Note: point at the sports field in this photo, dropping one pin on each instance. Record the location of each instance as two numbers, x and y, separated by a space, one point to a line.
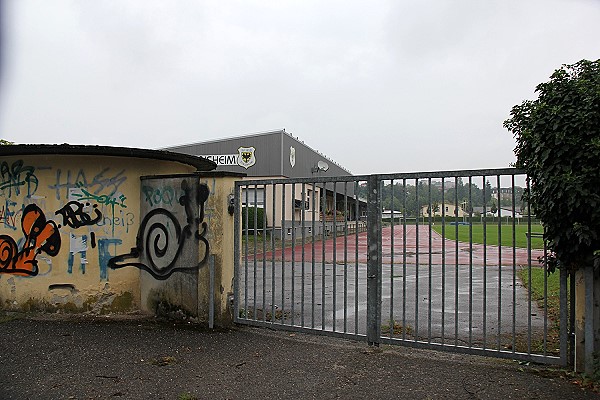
476 232
413 245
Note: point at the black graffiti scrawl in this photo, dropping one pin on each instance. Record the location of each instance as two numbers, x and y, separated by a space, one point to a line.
161 238
40 236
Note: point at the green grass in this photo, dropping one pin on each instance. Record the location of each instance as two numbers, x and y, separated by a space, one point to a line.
552 303
7 316
397 328
491 233
266 240
537 289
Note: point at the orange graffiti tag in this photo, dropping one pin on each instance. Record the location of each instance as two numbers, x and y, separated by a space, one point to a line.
40 236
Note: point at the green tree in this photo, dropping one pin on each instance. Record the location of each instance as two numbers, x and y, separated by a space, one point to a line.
4 142
488 192
558 144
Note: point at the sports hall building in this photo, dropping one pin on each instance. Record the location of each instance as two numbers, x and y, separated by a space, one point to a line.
275 155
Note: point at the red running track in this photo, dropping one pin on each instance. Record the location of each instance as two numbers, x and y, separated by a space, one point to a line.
345 250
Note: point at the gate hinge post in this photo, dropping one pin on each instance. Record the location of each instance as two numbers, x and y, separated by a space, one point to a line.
373 260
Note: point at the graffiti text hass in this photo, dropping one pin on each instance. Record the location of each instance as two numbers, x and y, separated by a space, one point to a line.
105 179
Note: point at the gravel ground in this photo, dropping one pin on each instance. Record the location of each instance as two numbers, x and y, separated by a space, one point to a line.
50 357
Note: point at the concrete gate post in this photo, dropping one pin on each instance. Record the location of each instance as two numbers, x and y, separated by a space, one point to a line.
215 283
587 319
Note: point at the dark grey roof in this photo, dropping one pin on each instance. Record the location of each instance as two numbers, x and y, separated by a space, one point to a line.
272 156
220 140
200 163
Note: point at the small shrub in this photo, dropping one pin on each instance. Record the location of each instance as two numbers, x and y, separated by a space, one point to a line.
249 214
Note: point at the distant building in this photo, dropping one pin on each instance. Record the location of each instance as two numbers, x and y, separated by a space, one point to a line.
447 209
507 212
275 155
503 212
389 214
506 194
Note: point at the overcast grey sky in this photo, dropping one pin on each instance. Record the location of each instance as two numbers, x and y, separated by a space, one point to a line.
378 86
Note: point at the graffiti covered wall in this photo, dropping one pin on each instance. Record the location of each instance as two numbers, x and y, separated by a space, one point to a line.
67 224
171 238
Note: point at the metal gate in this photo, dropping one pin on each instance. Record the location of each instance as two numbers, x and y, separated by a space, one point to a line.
443 260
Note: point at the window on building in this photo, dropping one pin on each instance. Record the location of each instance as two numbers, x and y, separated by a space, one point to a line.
248 196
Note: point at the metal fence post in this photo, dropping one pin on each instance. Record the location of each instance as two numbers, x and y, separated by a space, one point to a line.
589 320
373 260
237 252
211 291
564 332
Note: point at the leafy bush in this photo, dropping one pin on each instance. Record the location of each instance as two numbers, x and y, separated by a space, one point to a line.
250 213
558 145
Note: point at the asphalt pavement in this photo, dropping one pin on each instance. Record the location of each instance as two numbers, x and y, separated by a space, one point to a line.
137 357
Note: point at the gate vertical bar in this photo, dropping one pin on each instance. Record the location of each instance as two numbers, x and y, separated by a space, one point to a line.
245 211
456 252
346 212
471 263
589 320
356 242
373 260
237 229
431 211
303 219
283 239
528 271
545 342
312 264
211 291
264 254
571 280
293 272
443 261
404 259
499 211
254 237
334 258
416 335
514 270
324 239
564 335
392 323
273 224
356 281
485 263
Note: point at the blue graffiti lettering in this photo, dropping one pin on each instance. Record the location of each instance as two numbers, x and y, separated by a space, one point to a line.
104 255
82 250
123 219
109 200
10 217
156 196
98 184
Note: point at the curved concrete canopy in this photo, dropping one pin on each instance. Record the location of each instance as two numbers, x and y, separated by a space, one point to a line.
200 163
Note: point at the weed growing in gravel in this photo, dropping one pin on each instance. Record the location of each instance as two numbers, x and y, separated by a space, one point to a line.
163 360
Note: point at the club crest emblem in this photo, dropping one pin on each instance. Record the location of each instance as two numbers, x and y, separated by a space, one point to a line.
292 156
246 157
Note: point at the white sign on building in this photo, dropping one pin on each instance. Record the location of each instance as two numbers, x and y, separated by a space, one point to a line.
245 157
